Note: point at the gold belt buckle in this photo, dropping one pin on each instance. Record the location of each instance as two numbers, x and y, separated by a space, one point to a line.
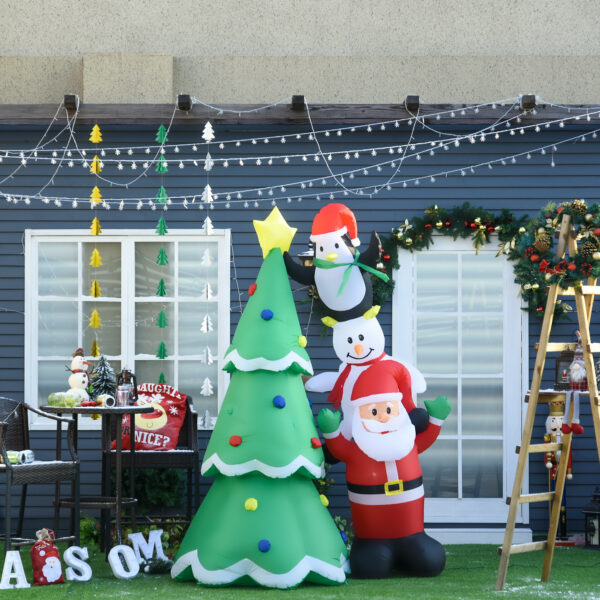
393 487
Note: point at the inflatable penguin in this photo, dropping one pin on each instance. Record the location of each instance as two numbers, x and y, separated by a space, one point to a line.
341 274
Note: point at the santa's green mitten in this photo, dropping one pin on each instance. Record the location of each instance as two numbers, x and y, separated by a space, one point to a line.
328 420
439 408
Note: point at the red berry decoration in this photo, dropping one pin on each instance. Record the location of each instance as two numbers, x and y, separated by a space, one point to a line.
235 440
386 257
473 225
251 289
315 442
427 225
572 266
447 223
597 231
535 257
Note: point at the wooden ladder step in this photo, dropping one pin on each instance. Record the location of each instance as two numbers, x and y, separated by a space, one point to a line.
547 447
527 547
559 347
539 497
587 290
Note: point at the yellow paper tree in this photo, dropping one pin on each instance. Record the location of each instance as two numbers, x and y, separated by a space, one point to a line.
95 168
95 227
95 196
95 290
95 259
95 352
95 135
95 320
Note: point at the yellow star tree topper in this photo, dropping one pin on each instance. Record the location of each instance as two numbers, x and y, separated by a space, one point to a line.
274 232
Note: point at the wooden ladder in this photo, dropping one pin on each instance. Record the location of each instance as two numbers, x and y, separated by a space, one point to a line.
584 298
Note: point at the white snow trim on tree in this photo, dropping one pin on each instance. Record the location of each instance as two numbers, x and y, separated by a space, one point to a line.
254 364
233 470
263 577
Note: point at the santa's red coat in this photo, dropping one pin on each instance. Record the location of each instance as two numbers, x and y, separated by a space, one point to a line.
384 516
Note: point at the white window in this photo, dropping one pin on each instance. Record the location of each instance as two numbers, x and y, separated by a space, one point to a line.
457 316
59 305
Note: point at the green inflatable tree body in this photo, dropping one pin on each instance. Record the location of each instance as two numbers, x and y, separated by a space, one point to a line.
263 520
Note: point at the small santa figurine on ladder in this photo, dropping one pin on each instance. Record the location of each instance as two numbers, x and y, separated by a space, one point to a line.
578 383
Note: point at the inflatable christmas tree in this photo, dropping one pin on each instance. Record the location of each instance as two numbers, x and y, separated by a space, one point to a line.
263 520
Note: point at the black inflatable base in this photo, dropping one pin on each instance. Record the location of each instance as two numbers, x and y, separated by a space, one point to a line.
416 555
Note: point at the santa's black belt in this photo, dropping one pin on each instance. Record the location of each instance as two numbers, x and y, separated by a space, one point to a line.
389 488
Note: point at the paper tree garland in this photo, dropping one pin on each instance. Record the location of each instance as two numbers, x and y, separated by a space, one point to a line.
161 227
95 352
161 352
95 259
161 378
161 165
95 166
207 388
95 320
95 290
95 196
206 324
161 196
95 135
207 196
207 293
206 261
95 228
263 512
208 162
209 359
208 133
161 320
161 289
161 135
207 226
162 259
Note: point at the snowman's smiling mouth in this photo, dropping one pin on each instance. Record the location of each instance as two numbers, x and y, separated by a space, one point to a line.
360 357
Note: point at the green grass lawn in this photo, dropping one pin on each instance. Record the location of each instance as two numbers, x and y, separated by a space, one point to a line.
470 574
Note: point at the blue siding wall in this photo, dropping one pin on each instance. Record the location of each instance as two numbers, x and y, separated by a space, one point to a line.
522 187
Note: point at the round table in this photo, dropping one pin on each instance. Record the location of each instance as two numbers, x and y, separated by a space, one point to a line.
105 502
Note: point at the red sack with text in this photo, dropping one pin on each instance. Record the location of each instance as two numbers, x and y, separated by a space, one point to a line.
158 430
45 559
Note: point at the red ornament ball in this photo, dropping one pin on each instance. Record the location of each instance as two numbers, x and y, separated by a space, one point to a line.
251 289
535 257
386 257
427 225
473 225
597 231
235 440
447 224
315 442
571 266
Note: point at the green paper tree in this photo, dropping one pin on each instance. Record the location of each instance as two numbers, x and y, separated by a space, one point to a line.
161 352
161 165
161 290
161 227
263 520
161 378
162 258
162 196
161 135
161 320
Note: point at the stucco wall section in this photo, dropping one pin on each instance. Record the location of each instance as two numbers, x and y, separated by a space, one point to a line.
127 78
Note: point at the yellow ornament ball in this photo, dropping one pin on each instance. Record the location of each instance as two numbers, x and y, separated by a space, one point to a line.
251 504
324 500
589 217
522 230
302 341
541 230
548 276
596 256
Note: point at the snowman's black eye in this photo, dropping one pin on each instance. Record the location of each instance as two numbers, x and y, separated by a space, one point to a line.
321 248
361 337
349 340
337 245
374 412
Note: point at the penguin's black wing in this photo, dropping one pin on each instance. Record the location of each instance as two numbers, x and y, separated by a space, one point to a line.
303 275
372 254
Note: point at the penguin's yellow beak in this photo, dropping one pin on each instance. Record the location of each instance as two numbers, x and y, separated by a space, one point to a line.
331 256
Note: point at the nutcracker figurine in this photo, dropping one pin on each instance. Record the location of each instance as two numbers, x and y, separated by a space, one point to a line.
553 434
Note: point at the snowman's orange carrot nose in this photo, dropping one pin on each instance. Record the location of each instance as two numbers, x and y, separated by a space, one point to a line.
331 256
358 349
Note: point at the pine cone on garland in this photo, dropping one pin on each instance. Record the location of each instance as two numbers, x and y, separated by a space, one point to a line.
587 249
579 207
543 242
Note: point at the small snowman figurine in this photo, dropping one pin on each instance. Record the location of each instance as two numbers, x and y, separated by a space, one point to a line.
79 380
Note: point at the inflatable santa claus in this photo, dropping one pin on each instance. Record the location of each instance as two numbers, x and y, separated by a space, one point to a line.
383 473
341 274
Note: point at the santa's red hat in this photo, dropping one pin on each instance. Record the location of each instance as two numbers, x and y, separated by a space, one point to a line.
376 384
335 218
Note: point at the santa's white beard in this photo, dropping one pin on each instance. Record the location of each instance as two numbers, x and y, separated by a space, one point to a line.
52 569
384 446
577 371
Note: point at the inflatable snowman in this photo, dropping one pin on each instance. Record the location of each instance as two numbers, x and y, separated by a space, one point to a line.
341 274
359 344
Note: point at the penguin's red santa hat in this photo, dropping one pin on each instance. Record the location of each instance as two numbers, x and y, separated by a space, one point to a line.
336 219
376 384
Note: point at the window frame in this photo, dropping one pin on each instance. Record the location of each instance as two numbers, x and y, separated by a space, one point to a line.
515 379
127 239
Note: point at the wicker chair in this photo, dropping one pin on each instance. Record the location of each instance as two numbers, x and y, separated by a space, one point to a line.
185 456
14 435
